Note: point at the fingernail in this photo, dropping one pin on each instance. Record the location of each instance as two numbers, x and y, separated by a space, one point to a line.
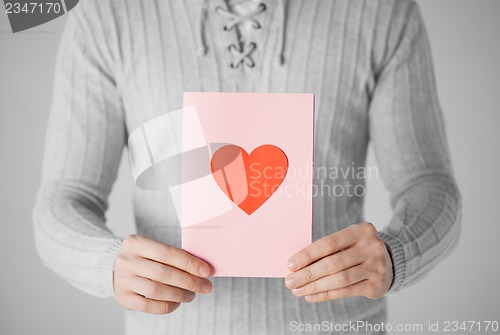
206 287
292 264
204 270
291 282
298 290
189 295
309 298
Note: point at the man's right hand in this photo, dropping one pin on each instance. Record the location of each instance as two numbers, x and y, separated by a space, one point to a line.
153 277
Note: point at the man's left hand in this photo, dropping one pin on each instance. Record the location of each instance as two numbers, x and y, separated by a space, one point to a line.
350 262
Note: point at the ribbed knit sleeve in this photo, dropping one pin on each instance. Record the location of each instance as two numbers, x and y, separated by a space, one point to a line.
408 136
84 143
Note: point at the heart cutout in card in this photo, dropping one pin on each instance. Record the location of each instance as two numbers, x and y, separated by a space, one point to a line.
249 180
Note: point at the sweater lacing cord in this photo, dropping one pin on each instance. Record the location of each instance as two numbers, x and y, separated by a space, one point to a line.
235 19
242 53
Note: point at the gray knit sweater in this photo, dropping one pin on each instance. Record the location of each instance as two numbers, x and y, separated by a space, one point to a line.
124 62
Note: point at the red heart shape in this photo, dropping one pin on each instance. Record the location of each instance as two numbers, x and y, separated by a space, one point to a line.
249 180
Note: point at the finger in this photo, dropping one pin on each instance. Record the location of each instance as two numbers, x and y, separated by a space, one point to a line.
171 276
158 291
359 289
323 247
139 303
170 255
333 282
324 267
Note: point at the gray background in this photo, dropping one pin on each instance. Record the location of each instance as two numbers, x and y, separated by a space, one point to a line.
466 46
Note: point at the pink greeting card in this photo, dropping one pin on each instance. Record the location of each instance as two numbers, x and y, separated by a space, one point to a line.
245 202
